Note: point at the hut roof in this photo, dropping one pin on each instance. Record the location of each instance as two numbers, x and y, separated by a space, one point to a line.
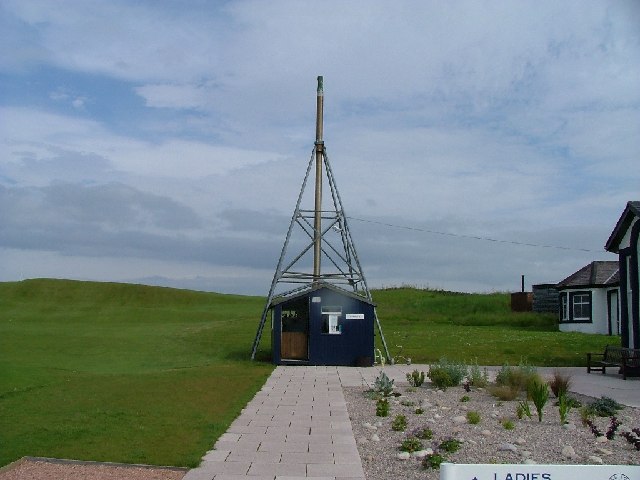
307 289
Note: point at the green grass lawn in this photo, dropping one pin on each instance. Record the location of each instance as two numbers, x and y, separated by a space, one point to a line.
137 374
464 327
126 373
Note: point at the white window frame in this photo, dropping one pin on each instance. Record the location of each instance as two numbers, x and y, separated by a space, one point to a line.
581 299
331 318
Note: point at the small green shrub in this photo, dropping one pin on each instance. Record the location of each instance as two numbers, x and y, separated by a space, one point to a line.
424 433
520 378
604 407
383 385
504 392
371 394
473 417
411 444
399 423
523 409
504 375
433 460
450 446
415 378
586 415
407 403
440 378
418 411
508 424
382 407
478 378
457 371
465 398
559 384
539 396
532 382
564 406
573 403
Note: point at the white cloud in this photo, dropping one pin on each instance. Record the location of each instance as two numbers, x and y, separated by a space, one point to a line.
42 134
174 96
504 120
123 39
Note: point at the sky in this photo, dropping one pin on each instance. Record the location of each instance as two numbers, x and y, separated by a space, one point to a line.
165 142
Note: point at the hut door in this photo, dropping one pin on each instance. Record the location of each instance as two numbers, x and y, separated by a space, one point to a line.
294 341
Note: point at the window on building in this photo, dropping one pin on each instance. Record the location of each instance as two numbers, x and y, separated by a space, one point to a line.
331 320
580 306
563 307
295 316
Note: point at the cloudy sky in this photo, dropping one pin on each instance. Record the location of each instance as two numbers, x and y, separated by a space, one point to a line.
165 142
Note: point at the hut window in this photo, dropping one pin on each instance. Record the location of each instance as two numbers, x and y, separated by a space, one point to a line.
331 320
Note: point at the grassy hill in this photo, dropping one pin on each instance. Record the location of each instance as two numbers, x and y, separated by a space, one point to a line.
129 373
138 374
430 324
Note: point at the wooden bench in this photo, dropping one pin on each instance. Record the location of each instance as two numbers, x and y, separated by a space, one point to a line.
627 359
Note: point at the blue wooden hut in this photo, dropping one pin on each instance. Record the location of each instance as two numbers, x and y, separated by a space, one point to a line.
322 324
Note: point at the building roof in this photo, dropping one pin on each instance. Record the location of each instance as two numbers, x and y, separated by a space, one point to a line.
631 211
312 287
596 274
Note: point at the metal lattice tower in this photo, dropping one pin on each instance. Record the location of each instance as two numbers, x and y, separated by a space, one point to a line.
327 237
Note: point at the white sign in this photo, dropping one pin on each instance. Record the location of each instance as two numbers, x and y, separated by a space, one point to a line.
316 299
453 471
355 316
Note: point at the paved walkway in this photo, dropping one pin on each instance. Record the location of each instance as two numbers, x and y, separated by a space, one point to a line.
297 425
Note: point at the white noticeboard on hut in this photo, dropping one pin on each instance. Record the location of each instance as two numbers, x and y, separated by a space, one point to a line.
452 471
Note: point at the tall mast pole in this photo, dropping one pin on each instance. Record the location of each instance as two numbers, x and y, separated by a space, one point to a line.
317 223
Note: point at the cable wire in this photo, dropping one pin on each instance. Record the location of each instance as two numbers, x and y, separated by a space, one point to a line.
472 237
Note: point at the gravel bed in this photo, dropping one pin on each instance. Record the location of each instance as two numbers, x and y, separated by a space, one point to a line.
530 441
51 469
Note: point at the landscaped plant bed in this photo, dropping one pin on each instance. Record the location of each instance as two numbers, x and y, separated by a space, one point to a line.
499 436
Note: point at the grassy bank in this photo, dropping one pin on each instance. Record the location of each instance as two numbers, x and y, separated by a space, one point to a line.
464 327
129 373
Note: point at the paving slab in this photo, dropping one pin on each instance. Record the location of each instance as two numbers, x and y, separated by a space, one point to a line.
216 455
258 457
307 457
336 470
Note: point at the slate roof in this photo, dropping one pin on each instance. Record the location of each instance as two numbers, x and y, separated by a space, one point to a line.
596 274
631 211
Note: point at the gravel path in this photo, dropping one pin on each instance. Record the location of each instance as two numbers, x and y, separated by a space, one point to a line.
40 469
487 442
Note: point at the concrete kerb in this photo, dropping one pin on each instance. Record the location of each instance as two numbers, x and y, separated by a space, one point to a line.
297 425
